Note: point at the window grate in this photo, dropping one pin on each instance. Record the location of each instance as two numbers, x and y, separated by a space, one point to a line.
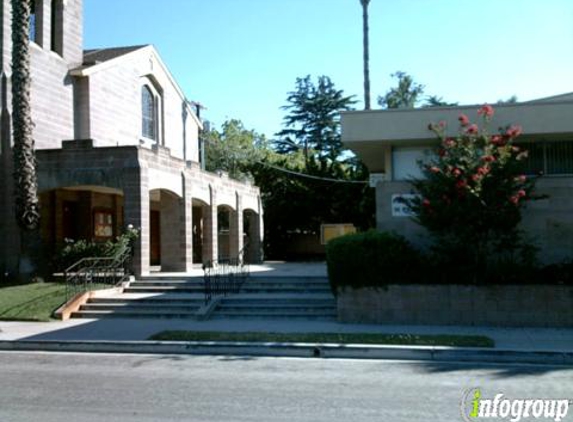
549 157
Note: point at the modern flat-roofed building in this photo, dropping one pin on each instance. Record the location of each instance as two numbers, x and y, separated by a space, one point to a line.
392 142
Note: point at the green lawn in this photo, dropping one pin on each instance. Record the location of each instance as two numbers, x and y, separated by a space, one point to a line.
389 339
31 302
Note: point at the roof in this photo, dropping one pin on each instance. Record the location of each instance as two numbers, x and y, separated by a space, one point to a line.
562 97
95 56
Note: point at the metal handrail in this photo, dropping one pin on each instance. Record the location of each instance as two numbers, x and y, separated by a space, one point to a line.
224 276
88 273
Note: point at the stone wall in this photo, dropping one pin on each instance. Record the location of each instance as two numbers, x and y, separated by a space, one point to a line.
52 89
504 306
150 179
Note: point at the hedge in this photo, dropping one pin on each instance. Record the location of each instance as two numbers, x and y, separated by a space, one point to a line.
371 259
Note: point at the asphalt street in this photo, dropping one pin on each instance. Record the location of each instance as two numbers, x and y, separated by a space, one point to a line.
106 387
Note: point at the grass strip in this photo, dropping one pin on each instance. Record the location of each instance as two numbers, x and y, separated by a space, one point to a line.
339 338
31 302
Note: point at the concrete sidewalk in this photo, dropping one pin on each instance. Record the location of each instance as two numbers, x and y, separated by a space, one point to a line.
115 329
129 335
267 269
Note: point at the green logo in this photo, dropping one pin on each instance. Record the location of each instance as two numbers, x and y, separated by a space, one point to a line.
474 406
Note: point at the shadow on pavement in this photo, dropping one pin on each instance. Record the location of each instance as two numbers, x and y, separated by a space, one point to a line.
497 370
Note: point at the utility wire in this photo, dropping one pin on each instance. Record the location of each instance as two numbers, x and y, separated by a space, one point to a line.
309 176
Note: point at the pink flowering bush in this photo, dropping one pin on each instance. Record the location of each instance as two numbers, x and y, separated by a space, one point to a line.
473 194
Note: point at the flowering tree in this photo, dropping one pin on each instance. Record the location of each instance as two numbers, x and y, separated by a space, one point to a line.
473 192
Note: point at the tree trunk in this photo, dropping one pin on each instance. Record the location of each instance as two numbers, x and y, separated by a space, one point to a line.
366 54
25 178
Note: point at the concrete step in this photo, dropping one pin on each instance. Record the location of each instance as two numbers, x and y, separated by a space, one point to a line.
285 285
278 314
164 289
160 299
271 289
138 307
281 306
277 311
246 288
159 283
281 296
155 277
287 279
126 313
294 302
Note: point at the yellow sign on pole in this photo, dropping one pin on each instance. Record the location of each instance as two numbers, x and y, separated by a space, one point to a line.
330 231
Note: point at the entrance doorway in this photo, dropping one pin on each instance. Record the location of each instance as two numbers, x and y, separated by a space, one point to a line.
155 237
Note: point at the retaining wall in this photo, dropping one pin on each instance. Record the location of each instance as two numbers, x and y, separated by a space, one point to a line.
505 306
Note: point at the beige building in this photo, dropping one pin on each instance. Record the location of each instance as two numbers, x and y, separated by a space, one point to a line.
392 142
118 143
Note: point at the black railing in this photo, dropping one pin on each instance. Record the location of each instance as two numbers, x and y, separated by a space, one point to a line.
96 273
224 276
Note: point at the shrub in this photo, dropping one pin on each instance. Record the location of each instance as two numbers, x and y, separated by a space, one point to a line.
74 251
371 259
472 196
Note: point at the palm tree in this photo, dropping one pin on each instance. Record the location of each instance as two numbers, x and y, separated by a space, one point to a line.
366 53
26 183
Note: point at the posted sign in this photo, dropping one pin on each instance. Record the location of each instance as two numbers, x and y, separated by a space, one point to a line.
330 231
399 204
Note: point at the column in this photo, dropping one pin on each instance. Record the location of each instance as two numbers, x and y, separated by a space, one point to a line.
136 213
236 230
210 241
187 225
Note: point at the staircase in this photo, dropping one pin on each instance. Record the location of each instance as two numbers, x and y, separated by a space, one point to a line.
261 297
150 297
280 298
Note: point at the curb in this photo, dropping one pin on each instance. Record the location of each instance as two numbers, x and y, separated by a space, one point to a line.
308 350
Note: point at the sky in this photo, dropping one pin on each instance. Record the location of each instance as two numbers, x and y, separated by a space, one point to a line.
240 58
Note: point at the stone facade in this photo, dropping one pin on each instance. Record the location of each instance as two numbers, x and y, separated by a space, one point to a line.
95 157
504 306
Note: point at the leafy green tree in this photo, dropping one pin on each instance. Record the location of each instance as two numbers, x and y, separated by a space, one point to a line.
473 193
435 101
313 121
234 149
295 204
510 100
406 95
26 184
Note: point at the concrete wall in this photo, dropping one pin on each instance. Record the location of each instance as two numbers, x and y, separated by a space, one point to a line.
505 306
547 223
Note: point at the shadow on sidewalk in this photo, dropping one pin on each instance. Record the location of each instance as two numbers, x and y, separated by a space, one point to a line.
496 370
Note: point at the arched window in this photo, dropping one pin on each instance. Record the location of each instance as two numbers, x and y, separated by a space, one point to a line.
149 121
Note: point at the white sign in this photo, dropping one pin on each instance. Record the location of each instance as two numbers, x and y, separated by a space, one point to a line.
399 205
